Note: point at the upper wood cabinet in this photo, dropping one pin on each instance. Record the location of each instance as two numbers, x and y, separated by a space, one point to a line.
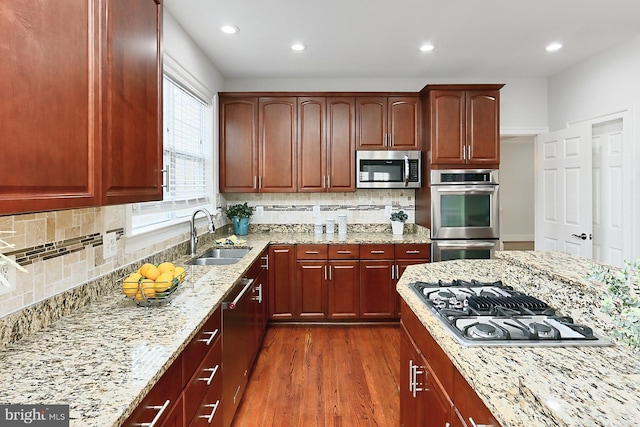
462 124
64 148
326 144
388 123
132 97
238 145
258 144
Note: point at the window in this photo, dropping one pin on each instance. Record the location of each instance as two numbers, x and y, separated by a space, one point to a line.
187 120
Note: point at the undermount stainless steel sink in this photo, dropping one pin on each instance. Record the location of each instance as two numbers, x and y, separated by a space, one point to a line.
220 256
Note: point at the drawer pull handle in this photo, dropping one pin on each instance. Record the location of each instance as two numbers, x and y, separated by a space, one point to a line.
311 252
213 413
344 252
377 252
209 340
412 252
213 374
158 415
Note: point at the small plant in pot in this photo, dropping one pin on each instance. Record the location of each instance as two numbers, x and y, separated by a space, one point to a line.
397 222
240 214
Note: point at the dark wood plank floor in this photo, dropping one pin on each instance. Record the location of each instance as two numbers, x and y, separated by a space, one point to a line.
325 376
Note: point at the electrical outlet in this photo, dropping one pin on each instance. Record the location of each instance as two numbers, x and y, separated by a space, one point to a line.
259 210
316 209
387 211
8 273
109 245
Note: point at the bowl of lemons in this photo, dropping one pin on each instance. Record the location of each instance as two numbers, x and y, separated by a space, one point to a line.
153 282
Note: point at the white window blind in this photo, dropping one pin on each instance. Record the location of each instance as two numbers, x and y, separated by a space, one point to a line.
187 159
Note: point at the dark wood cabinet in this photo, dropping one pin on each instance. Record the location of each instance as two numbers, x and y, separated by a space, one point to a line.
462 124
446 397
407 254
311 281
377 273
388 123
132 102
282 295
258 144
81 107
257 315
326 144
277 118
344 282
238 144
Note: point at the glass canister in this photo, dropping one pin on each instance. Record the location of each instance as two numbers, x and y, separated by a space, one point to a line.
331 225
317 228
342 224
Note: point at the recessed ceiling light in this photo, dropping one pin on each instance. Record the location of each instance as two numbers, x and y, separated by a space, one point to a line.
230 29
552 47
298 47
427 47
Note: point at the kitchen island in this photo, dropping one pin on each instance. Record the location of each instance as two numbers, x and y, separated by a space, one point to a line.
539 386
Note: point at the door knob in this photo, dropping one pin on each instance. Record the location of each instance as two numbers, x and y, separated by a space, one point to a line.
582 236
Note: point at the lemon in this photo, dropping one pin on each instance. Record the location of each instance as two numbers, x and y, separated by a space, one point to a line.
130 289
167 267
142 270
180 273
163 282
152 272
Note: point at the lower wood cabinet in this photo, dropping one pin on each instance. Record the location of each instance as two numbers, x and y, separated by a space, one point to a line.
432 391
282 296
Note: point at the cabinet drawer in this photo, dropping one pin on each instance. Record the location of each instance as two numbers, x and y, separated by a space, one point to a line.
373 251
413 251
208 376
311 251
209 412
344 251
204 340
162 397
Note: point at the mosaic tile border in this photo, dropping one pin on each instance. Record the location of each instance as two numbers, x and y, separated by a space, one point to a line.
26 256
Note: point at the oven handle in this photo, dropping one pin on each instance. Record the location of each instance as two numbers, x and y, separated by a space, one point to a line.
476 189
466 245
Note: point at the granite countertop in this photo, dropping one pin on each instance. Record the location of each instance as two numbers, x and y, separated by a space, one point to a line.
104 358
543 386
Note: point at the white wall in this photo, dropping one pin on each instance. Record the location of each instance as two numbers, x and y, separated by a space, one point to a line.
517 210
523 109
603 84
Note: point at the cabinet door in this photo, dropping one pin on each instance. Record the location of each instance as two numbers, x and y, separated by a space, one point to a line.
175 417
277 138
401 266
438 406
469 405
377 292
281 295
447 115
341 144
344 285
311 289
404 123
411 409
132 91
483 127
238 145
312 147
371 123
49 114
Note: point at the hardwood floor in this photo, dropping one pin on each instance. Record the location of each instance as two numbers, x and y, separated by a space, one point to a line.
325 376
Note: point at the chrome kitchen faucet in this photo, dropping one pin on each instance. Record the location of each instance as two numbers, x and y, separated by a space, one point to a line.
194 233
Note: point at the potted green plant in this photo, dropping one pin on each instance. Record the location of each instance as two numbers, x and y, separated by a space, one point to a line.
240 214
397 222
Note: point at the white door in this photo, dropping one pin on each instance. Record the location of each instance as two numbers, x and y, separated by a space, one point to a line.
563 191
611 208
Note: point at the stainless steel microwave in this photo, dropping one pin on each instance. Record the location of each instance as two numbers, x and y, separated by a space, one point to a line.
388 169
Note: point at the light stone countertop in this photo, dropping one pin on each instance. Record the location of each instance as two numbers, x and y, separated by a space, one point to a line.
544 386
105 357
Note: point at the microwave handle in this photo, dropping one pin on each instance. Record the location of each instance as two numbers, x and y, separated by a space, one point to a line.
406 171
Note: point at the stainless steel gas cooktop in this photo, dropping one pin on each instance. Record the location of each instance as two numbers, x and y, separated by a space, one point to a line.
493 314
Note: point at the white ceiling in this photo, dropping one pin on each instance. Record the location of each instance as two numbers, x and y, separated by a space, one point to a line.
380 38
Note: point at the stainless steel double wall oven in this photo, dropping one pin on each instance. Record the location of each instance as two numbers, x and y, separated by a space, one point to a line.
465 220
